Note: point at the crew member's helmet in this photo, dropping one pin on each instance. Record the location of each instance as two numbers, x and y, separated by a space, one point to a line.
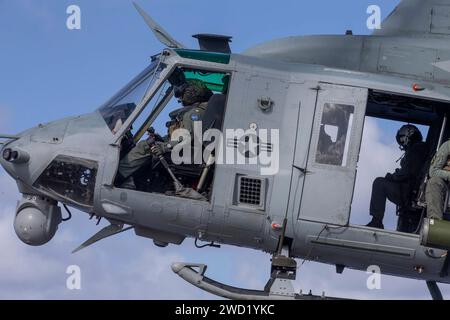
408 135
192 91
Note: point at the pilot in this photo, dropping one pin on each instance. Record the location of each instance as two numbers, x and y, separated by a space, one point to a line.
399 186
437 186
194 96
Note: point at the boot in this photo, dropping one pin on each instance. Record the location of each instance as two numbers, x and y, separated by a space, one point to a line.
375 223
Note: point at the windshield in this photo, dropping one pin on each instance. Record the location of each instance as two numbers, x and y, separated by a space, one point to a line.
117 110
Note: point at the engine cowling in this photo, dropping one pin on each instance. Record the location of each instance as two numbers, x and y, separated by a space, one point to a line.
37 219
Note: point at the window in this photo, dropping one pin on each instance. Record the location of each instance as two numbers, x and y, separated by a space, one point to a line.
159 109
334 135
217 82
161 97
117 110
188 97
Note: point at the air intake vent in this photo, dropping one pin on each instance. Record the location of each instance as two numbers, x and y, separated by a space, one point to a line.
251 191
214 42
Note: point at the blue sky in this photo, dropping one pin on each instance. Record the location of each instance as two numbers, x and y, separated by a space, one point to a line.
48 72
52 72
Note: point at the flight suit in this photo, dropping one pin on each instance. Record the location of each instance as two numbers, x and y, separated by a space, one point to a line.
185 118
437 186
135 159
141 154
398 186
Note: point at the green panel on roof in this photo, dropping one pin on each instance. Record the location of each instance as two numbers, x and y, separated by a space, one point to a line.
204 56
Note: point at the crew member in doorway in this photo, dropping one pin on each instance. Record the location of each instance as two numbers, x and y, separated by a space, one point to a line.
398 187
437 186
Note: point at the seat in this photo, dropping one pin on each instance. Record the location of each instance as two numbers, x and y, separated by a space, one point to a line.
409 219
411 215
213 116
212 119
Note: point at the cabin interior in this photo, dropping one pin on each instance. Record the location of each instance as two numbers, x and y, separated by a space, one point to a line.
161 116
431 118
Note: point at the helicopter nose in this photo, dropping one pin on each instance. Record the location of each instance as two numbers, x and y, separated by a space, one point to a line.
2 161
13 157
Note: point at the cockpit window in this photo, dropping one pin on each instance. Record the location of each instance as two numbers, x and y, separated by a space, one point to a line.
217 82
156 113
70 178
119 108
190 102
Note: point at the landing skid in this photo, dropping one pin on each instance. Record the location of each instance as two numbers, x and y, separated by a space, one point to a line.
277 288
435 292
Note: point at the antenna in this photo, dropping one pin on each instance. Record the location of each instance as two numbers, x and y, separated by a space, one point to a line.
162 35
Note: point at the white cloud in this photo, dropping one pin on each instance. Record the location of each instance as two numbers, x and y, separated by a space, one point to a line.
8 189
376 159
130 271
125 267
252 271
352 284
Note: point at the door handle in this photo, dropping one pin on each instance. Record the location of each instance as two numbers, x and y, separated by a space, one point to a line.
302 170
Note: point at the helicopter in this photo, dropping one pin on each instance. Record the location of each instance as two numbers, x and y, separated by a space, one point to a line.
282 128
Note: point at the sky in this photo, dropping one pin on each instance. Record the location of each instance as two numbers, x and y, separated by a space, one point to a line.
48 72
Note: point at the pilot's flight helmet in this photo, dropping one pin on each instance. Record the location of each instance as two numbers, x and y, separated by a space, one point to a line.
177 78
408 135
192 91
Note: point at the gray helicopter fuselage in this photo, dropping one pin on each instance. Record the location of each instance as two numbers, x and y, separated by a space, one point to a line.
315 197
418 57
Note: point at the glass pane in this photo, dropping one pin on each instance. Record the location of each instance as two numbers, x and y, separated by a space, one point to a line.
117 110
71 178
163 95
334 135
165 103
217 82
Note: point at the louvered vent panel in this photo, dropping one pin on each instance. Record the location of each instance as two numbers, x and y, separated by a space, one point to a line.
251 192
